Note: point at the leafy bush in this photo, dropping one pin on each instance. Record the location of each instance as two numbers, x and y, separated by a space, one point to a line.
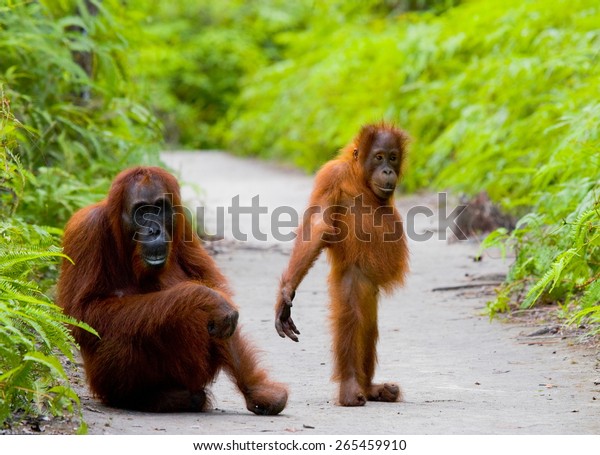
63 72
193 55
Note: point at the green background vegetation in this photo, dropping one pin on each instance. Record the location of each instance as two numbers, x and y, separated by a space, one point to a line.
500 96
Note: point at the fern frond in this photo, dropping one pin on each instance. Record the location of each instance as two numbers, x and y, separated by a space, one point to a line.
32 328
550 278
10 259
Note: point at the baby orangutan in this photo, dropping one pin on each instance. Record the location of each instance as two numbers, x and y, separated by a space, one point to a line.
352 215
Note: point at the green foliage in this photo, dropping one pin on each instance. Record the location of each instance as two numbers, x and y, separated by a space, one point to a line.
33 331
482 87
557 260
193 55
78 122
498 96
557 245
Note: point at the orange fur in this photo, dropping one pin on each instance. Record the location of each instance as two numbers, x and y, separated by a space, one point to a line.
368 253
155 352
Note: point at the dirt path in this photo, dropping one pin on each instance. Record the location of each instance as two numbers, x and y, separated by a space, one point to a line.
460 373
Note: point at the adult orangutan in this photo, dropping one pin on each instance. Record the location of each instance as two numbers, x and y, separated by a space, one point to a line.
352 215
161 307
